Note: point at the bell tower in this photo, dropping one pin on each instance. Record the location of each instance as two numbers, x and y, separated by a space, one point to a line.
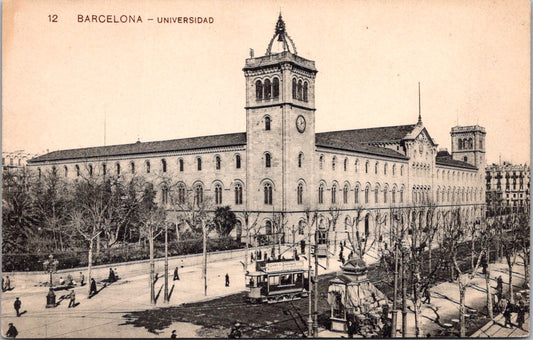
468 145
280 126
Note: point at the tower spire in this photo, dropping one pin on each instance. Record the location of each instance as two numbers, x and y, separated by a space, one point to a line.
419 107
283 37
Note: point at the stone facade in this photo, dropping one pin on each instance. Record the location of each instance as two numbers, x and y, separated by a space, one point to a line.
285 167
508 184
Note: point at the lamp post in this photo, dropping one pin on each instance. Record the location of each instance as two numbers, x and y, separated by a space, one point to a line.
50 265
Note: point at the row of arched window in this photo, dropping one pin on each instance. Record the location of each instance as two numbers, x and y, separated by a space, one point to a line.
396 196
455 175
465 143
198 191
300 90
265 90
377 168
147 167
458 195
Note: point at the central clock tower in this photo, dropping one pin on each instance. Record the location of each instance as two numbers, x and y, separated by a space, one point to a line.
280 127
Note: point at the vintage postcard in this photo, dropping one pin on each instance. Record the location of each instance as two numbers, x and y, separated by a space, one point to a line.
263 169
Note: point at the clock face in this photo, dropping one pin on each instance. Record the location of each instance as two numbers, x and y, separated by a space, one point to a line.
300 123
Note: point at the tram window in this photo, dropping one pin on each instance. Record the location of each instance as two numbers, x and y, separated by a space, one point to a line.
298 278
273 280
252 282
286 280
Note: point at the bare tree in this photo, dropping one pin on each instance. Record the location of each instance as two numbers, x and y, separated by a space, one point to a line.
361 242
249 227
334 214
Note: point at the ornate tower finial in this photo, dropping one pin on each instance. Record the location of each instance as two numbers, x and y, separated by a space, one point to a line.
419 108
283 37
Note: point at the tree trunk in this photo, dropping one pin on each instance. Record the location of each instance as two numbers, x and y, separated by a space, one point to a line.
417 306
429 257
511 295
177 232
152 267
89 264
489 295
526 269
204 272
462 328
98 244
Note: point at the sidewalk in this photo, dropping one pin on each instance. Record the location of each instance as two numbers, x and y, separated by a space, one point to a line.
495 329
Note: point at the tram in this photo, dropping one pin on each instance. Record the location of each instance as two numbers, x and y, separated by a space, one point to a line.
277 281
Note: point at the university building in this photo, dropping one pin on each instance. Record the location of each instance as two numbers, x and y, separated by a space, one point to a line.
281 165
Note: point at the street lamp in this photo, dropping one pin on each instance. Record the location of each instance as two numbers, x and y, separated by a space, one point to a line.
50 265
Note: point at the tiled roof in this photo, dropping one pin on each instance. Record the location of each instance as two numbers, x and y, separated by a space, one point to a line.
371 135
146 147
444 158
328 141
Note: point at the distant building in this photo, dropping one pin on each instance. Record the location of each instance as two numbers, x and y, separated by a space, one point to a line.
14 160
508 184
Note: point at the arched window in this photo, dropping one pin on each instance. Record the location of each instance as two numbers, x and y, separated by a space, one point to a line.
267 160
345 194
300 159
268 227
401 170
356 165
258 90
218 194
78 170
321 194
217 162
393 195
91 169
334 194
345 164
300 193
181 164
470 143
238 161
294 88
164 195
132 167
66 171
401 195
367 189
147 167
376 168
385 168
267 123
181 193
238 193
321 162
356 195
268 193
117 169
268 89
460 144
164 165
394 169
199 164
199 194
305 92
299 94
39 172
275 88
104 169
481 144
385 194
333 163
376 195
366 167
54 171
301 224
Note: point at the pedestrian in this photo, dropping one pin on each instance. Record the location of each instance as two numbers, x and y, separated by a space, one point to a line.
227 280
251 257
499 286
111 277
8 283
176 274
349 328
17 304
93 290
427 295
484 264
173 335
387 329
61 281
12 331
72 302
385 313
82 279
507 313
235 332
521 310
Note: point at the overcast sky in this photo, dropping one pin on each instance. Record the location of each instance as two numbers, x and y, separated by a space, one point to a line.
152 81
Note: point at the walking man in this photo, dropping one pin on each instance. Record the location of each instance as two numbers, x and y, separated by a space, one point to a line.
92 291
227 280
176 274
72 302
8 283
17 305
427 295
499 287
507 313
112 277
173 335
82 279
521 313
12 331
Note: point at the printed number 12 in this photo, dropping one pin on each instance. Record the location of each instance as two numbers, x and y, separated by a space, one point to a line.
52 17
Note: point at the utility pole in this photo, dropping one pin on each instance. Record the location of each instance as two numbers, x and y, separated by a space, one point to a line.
404 298
315 312
394 322
310 270
166 263
204 272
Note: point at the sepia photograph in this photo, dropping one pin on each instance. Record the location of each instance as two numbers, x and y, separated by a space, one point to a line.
266 169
